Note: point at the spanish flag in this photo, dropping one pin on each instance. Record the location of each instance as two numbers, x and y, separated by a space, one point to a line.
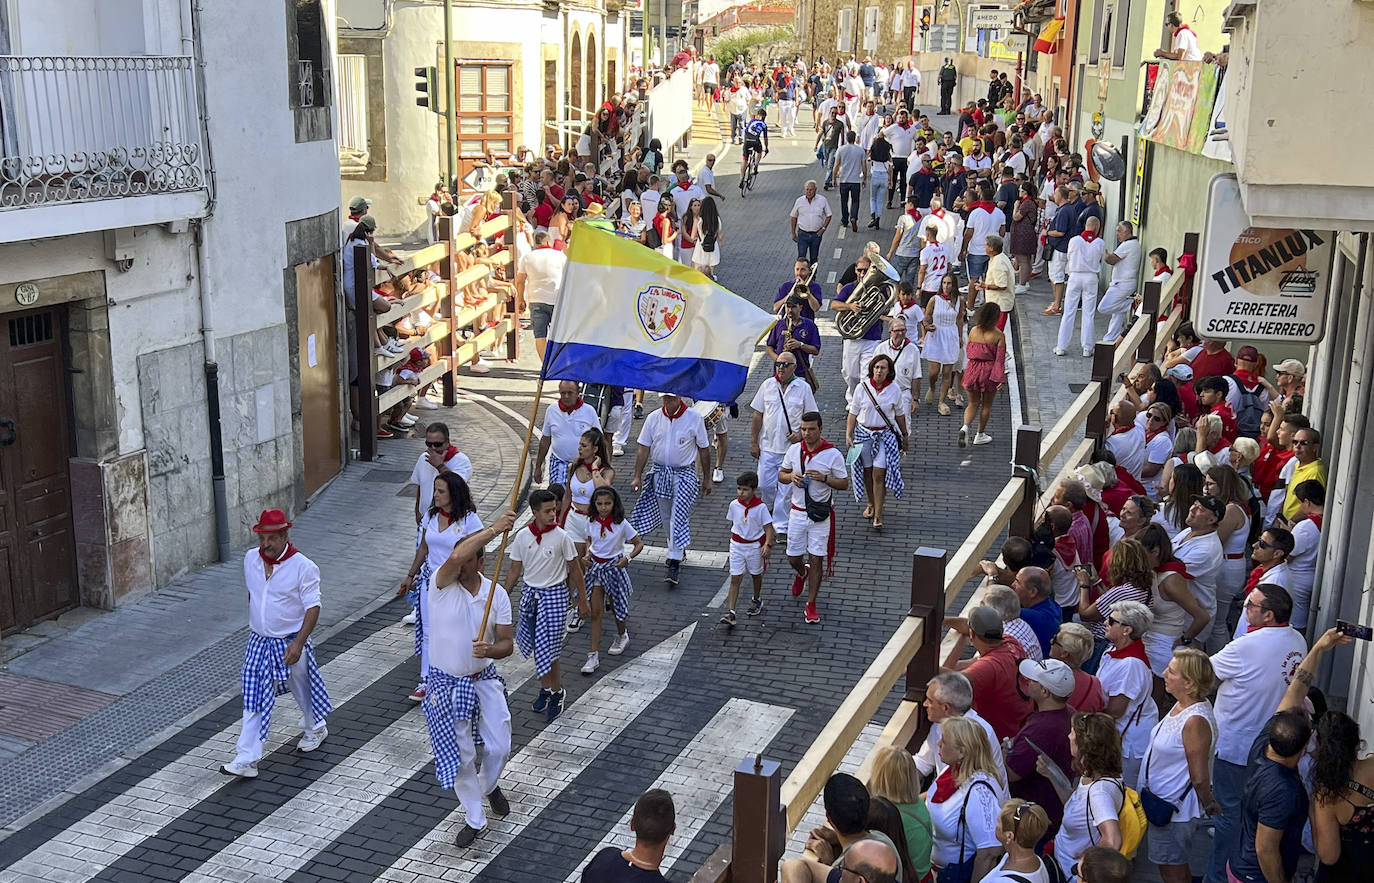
629 316
1048 40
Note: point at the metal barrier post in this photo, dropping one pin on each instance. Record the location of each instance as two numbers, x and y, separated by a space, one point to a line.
927 601
1026 465
1149 306
448 347
1104 357
365 337
760 822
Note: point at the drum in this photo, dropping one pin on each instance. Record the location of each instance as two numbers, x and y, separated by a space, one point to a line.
600 397
713 413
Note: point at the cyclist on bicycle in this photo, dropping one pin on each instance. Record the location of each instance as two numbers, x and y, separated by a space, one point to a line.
755 141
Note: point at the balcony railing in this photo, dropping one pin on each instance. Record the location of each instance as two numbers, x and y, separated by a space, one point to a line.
83 128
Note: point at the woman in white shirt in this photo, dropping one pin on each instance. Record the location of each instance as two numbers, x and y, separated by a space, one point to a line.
964 803
1178 763
1092 806
877 423
1128 682
1020 826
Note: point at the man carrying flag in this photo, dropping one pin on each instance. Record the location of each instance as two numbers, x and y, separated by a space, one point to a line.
675 436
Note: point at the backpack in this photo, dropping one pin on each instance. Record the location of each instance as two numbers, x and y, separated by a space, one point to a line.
1249 413
1131 818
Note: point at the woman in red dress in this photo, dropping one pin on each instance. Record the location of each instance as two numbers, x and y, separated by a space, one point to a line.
986 371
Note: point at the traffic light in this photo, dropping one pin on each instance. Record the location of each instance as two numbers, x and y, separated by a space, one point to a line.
925 19
428 87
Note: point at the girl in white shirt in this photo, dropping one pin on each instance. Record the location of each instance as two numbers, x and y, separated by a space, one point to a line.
964 803
605 563
1020 826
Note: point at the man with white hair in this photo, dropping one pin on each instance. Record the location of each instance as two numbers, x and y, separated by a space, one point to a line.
1005 601
949 694
1125 263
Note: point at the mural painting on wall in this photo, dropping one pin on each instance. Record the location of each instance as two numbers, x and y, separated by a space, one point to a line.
1180 110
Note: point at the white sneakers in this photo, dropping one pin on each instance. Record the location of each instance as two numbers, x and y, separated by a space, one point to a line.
617 450
408 619
1059 352
1022 289
1087 354
718 476
982 438
621 642
241 770
963 436
592 664
574 619
312 739
425 403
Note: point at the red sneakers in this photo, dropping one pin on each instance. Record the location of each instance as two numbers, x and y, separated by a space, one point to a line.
813 616
799 582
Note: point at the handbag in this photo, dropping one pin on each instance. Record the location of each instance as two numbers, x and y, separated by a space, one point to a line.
1158 811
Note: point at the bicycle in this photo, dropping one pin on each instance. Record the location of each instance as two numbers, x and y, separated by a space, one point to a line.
751 172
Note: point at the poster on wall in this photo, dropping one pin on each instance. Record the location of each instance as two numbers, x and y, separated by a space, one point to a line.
1260 283
1142 148
1180 109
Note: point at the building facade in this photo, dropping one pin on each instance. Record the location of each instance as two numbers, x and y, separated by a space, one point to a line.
157 309
527 73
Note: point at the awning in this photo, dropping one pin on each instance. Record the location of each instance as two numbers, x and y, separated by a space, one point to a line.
1048 40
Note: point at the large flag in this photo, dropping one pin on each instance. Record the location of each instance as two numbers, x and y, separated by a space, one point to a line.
628 316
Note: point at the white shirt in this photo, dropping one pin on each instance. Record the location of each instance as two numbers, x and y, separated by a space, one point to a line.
1126 270
706 177
1302 564
950 225
909 245
611 544
674 442
710 73
980 819
768 401
1186 40
452 618
1131 678
935 259
738 100
748 523
997 875
829 462
565 430
1017 161
1254 673
1129 449
824 109
978 162
439 543
1278 575
276 607
911 77
1085 256
867 126
543 269
648 203
902 139
1090 804
683 196
1158 450
893 401
1202 555
424 474
810 215
907 360
983 223
928 758
913 314
545 561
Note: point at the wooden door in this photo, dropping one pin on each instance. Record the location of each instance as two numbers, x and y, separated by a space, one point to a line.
37 545
319 366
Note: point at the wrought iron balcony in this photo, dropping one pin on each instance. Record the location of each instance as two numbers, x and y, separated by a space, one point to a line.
84 128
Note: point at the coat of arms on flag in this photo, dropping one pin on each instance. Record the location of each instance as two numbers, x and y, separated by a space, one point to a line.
660 311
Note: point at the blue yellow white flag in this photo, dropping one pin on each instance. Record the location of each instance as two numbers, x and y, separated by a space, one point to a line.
629 316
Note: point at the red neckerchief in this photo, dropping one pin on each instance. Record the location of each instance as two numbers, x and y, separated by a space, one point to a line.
290 550
1135 649
681 409
573 408
1174 566
606 523
537 247
946 784
1028 199
684 185
1065 543
985 206
1256 576
1247 378
753 501
879 387
1270 625
915 213
807 453
1165 269
448 455
588 465
1123 429
938 212
1316 519
1150 436
1181 28
1088 235
905 341
907 125
539 532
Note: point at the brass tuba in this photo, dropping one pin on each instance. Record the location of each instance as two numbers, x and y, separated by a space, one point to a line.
873 293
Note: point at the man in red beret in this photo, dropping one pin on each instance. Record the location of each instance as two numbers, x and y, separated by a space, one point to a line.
283 607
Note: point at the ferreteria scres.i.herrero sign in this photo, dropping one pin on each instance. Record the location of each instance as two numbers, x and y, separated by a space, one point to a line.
1259 283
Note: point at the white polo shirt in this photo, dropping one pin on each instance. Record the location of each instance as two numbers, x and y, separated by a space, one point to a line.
452 618
830 462
674 442
902 139
565 429
810 215
1126 270
768 401
907 360
984 223
1202 555
1128 446
545 561
424 474
1186 41
1254 673
276 607
543 269
683 196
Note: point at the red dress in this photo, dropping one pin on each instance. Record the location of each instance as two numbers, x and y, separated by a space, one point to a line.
987 366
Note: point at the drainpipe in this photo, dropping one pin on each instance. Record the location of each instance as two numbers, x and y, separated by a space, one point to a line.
191 39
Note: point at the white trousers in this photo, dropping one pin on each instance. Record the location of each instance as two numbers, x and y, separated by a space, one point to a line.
1082 290
789 116
778 498
298 679
620 419
472 786
855 360
1230 582
1117 304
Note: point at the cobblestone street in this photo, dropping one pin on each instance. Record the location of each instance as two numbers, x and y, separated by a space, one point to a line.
131 791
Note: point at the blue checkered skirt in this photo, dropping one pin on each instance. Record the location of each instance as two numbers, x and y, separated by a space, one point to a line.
615 582
542 624
885 439
676 483
265 675
450 701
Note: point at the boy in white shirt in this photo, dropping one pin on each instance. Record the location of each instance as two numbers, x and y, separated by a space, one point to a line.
544 554
751 541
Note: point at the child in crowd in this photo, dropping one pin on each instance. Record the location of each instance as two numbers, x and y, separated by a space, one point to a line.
544 556
607 577
751 539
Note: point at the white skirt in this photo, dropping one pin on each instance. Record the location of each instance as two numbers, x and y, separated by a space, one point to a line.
703 258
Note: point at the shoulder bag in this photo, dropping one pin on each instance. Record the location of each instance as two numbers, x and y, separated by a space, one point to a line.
1158 810
900 435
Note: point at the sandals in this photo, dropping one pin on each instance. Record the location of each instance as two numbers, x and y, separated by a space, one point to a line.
877 524
868 512
1050 311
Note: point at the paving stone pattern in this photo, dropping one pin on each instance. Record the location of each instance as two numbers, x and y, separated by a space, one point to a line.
366 804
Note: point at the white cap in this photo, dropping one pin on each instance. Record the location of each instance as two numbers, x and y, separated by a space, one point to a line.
1051 674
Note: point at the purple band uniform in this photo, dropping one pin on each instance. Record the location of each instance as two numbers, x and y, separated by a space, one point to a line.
448 701
542 624
676 483
265 673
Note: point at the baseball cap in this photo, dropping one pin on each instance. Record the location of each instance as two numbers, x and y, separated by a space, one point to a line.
1180 372
1212 504
985 623
1291 366
416 354
359 204
1248 353
368 223
1091 186
1051 674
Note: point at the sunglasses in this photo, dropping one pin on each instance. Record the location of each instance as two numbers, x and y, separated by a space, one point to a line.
1155 418
1250 605
1261 544
1302 443
784 364
1112 620
430 444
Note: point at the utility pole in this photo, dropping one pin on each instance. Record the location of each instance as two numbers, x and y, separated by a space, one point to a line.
450 99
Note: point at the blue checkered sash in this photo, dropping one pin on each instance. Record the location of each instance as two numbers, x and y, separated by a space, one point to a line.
678 483
872 440
558 470
413 596
265 673
542 624
448 700
614 581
